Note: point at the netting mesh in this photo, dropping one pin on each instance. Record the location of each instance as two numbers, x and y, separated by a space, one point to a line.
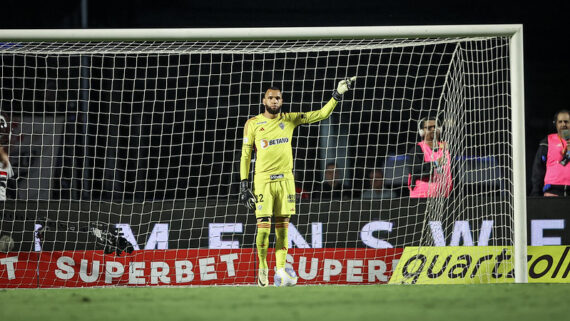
146 137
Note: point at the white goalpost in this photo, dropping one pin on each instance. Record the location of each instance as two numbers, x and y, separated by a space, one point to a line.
125 144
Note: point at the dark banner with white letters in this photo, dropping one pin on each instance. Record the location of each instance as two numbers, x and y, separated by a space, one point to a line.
65 225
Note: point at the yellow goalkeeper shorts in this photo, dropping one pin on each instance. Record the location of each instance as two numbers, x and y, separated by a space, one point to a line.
275 198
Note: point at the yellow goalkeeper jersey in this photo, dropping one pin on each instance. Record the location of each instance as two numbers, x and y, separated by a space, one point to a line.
272 140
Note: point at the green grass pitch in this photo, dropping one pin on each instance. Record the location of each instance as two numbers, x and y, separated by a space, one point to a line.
321 303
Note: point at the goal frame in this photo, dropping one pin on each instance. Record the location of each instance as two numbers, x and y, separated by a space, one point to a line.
513 31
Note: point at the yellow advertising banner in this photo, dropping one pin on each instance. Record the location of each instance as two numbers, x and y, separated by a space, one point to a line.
548 264
479 264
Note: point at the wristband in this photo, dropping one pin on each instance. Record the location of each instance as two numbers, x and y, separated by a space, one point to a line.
336 95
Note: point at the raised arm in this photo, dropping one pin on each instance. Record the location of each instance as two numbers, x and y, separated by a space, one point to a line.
326 111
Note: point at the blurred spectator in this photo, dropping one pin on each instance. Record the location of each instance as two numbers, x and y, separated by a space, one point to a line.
550 170
331 186
377 190
5 167
431 163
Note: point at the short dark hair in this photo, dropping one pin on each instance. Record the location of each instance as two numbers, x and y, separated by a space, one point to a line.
271 87
429 118
561 111
330 163
375 170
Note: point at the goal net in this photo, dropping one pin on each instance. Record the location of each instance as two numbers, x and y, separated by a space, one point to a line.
125 157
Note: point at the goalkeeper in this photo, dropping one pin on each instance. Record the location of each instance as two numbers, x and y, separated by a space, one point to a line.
270 134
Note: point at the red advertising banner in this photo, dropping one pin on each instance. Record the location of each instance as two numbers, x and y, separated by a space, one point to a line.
190 267
19 270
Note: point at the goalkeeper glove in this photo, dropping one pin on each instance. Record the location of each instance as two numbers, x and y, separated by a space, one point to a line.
246 197
343 86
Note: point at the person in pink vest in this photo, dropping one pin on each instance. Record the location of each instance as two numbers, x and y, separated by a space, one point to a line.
430 163
550 170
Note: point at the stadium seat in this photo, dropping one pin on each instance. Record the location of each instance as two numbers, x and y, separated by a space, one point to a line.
396 171
480 172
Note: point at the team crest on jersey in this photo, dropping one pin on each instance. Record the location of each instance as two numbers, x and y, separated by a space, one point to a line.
291 198
264 143
281 125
